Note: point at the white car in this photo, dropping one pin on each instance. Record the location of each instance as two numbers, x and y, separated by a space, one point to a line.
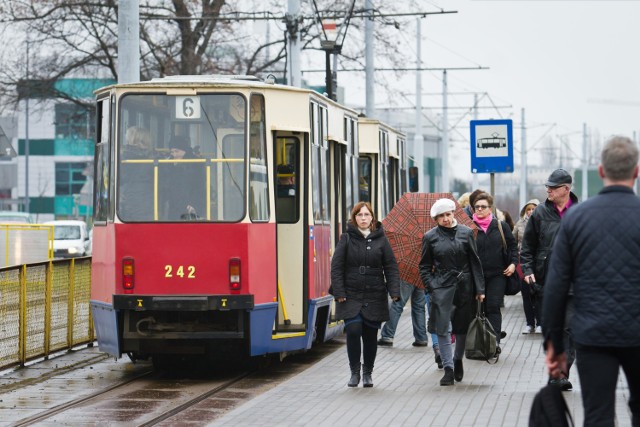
15 217
70 238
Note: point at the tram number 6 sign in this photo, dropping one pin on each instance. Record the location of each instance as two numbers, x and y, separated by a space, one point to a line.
187 107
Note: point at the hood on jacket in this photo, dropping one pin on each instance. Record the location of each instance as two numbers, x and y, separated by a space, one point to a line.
535 202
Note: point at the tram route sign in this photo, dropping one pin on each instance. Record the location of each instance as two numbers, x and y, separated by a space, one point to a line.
491 146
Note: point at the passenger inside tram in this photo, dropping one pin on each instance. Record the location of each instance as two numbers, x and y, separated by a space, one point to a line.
182 183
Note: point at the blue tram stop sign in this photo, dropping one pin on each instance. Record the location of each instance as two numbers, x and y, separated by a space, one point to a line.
491 146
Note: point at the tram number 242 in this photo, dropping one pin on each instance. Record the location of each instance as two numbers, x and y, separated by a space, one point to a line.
180 271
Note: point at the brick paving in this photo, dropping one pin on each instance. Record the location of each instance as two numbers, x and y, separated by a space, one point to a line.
406 388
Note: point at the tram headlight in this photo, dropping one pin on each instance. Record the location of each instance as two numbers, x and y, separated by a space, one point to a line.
128 275
235 283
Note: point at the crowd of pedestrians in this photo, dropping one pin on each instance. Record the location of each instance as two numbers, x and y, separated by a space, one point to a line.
578 266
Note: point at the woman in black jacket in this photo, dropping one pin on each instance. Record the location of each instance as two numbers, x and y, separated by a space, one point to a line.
363 272
498 262
451 272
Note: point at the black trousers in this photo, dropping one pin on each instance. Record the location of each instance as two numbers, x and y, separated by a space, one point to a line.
531 311
358 332
598 368
494 295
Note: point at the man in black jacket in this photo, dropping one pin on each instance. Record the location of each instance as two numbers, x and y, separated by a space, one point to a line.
537 241
596 252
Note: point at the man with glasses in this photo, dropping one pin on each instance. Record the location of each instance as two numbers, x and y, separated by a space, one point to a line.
537 242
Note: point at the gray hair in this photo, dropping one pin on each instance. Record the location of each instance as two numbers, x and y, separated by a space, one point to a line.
619 158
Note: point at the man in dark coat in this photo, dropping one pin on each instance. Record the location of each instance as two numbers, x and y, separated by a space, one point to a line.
537 242
596 253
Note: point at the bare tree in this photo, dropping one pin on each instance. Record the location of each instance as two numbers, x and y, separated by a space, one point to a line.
78 38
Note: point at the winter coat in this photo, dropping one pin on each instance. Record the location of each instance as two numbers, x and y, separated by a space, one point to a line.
364 273
596 254
518 230
539 235
452 274
490 249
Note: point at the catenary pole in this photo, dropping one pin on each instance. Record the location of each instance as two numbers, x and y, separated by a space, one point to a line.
523 160
444 184
585 164
369 65
128 41
418 139
474 176
27 204
293 19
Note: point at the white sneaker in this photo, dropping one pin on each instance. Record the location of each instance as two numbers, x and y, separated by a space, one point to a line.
538 329
528 330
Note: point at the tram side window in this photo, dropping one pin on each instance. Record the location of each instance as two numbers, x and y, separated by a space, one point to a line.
364 178
384 168
258 182
101 173
287 184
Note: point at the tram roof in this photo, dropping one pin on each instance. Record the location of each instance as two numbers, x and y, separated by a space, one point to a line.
212 80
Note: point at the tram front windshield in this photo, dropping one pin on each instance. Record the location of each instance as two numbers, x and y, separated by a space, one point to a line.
181 158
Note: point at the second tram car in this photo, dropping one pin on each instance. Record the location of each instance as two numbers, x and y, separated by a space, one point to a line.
218 201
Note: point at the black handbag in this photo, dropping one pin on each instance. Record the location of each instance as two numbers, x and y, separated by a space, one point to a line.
513 282
549 409
513 285
480 343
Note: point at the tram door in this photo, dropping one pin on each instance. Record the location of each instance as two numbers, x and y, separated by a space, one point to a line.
289 195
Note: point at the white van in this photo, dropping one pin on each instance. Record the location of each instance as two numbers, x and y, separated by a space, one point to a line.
70 238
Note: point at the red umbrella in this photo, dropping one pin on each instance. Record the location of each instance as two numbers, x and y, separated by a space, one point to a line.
405 225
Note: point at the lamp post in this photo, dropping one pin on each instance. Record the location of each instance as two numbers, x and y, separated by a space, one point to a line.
331 39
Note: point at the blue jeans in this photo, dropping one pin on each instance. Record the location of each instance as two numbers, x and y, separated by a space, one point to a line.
418 315
427 298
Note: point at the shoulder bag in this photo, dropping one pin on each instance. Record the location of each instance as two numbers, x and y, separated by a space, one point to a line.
481 339
513 281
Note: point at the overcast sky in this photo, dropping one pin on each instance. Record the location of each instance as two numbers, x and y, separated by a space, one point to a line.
565 62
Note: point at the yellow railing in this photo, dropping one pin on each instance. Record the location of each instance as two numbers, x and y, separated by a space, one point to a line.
44 308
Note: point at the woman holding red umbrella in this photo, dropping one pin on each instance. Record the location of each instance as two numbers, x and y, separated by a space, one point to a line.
451 272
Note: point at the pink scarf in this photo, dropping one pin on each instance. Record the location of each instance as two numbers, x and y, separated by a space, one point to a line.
483 223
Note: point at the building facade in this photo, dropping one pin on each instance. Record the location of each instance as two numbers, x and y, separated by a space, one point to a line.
55 145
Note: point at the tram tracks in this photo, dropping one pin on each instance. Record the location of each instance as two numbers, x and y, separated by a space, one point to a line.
42 416
122 393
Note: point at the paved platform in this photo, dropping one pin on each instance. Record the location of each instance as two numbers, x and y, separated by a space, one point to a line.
406 388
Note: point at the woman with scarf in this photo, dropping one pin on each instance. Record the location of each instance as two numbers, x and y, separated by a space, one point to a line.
498 262
452 274
363 272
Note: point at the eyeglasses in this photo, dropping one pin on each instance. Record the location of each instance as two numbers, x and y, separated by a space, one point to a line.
554 187
361 215
481 207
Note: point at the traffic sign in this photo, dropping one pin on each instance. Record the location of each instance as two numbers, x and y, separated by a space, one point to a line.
491 146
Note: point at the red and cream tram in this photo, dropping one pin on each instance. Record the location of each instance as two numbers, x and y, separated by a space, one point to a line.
217 204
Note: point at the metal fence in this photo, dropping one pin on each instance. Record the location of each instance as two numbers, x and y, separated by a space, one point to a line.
44 308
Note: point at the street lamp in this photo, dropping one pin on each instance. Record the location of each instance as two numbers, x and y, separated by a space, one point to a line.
331 40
